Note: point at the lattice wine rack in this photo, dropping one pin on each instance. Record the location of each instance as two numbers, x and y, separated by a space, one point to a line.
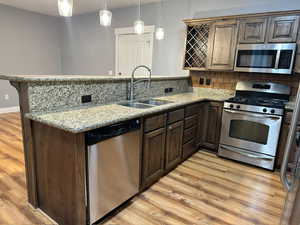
196 46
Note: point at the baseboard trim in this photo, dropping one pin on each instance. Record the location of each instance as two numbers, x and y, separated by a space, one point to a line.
10 109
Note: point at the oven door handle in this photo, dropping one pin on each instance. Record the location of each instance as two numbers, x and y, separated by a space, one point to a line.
253 115
247 154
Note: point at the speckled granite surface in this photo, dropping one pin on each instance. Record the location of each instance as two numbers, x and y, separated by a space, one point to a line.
62 78
51 96
290 105
87 118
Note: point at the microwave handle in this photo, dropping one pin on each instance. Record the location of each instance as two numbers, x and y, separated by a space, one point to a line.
277 59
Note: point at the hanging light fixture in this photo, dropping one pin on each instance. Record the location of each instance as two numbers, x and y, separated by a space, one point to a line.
105 16
160 32
65 8
139 25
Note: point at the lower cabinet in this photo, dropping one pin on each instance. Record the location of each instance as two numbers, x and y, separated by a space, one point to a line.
282 143
202 123
174 145
153 156
210 120
190 131
169 138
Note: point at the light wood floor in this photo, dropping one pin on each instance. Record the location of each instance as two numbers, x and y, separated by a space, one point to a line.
203 190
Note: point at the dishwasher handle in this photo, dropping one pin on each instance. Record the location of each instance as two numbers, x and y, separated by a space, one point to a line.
95 136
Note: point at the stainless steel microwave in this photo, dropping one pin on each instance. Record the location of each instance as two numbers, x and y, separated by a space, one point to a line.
265 58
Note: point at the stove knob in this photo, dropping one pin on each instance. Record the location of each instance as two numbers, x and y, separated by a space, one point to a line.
238 106
264 110
272 111
231 105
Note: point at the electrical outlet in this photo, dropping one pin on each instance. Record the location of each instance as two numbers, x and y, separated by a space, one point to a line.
110 72
208 81
6 97
168 90
201 81
86 99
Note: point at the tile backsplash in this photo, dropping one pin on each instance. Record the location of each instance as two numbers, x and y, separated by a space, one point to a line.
228 80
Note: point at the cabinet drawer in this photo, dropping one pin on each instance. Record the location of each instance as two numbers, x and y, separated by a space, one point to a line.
189 134
155 122
288 118
176 115
189 148
190 121
191 110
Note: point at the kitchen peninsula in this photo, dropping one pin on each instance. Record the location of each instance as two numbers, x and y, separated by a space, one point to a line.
55 122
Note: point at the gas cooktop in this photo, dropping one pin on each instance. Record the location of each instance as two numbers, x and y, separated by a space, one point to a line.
267 102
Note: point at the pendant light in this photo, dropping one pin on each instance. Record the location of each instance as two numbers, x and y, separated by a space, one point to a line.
160 32
65 8
105 16
139 25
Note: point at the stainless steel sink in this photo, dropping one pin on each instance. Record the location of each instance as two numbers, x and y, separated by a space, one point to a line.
155 102
136 105
145 104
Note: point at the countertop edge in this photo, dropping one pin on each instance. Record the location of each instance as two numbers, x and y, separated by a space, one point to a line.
79 78
126 117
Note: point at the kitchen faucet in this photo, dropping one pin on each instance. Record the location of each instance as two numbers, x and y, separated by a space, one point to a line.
133 83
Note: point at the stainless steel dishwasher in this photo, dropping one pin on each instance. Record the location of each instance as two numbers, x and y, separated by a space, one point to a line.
113 167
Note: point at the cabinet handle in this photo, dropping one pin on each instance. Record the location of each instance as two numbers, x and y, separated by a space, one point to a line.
170 127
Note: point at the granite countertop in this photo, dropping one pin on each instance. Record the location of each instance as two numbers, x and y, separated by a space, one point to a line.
62 78
83 119
290 105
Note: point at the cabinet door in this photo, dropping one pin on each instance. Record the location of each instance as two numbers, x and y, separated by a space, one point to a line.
282 143
213 127
283 29
297 60
174 144
202 123
253 30
222 45
153 156
196 46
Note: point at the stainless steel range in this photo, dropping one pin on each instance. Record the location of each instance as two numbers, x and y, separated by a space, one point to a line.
251 123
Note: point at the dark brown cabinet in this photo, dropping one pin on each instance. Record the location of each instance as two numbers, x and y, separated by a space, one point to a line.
190 131
283 138
211 43
297 63
202 123
174 145
283 29
153 156
253 30
222 45
212 119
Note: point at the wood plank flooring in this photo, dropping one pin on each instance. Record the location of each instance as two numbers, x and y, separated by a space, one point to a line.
204 190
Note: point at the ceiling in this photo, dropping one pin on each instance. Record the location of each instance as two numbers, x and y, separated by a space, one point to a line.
49 7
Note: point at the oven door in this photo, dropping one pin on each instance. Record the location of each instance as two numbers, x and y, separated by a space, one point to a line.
251 131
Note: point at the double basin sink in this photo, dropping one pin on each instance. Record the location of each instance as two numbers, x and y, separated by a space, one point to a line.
144 104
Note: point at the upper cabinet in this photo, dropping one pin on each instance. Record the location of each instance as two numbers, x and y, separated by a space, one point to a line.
221 52
197 46
211 42
253 30
297 62
283 29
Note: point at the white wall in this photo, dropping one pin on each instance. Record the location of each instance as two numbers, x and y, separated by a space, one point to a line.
36 44
29 44
90 49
